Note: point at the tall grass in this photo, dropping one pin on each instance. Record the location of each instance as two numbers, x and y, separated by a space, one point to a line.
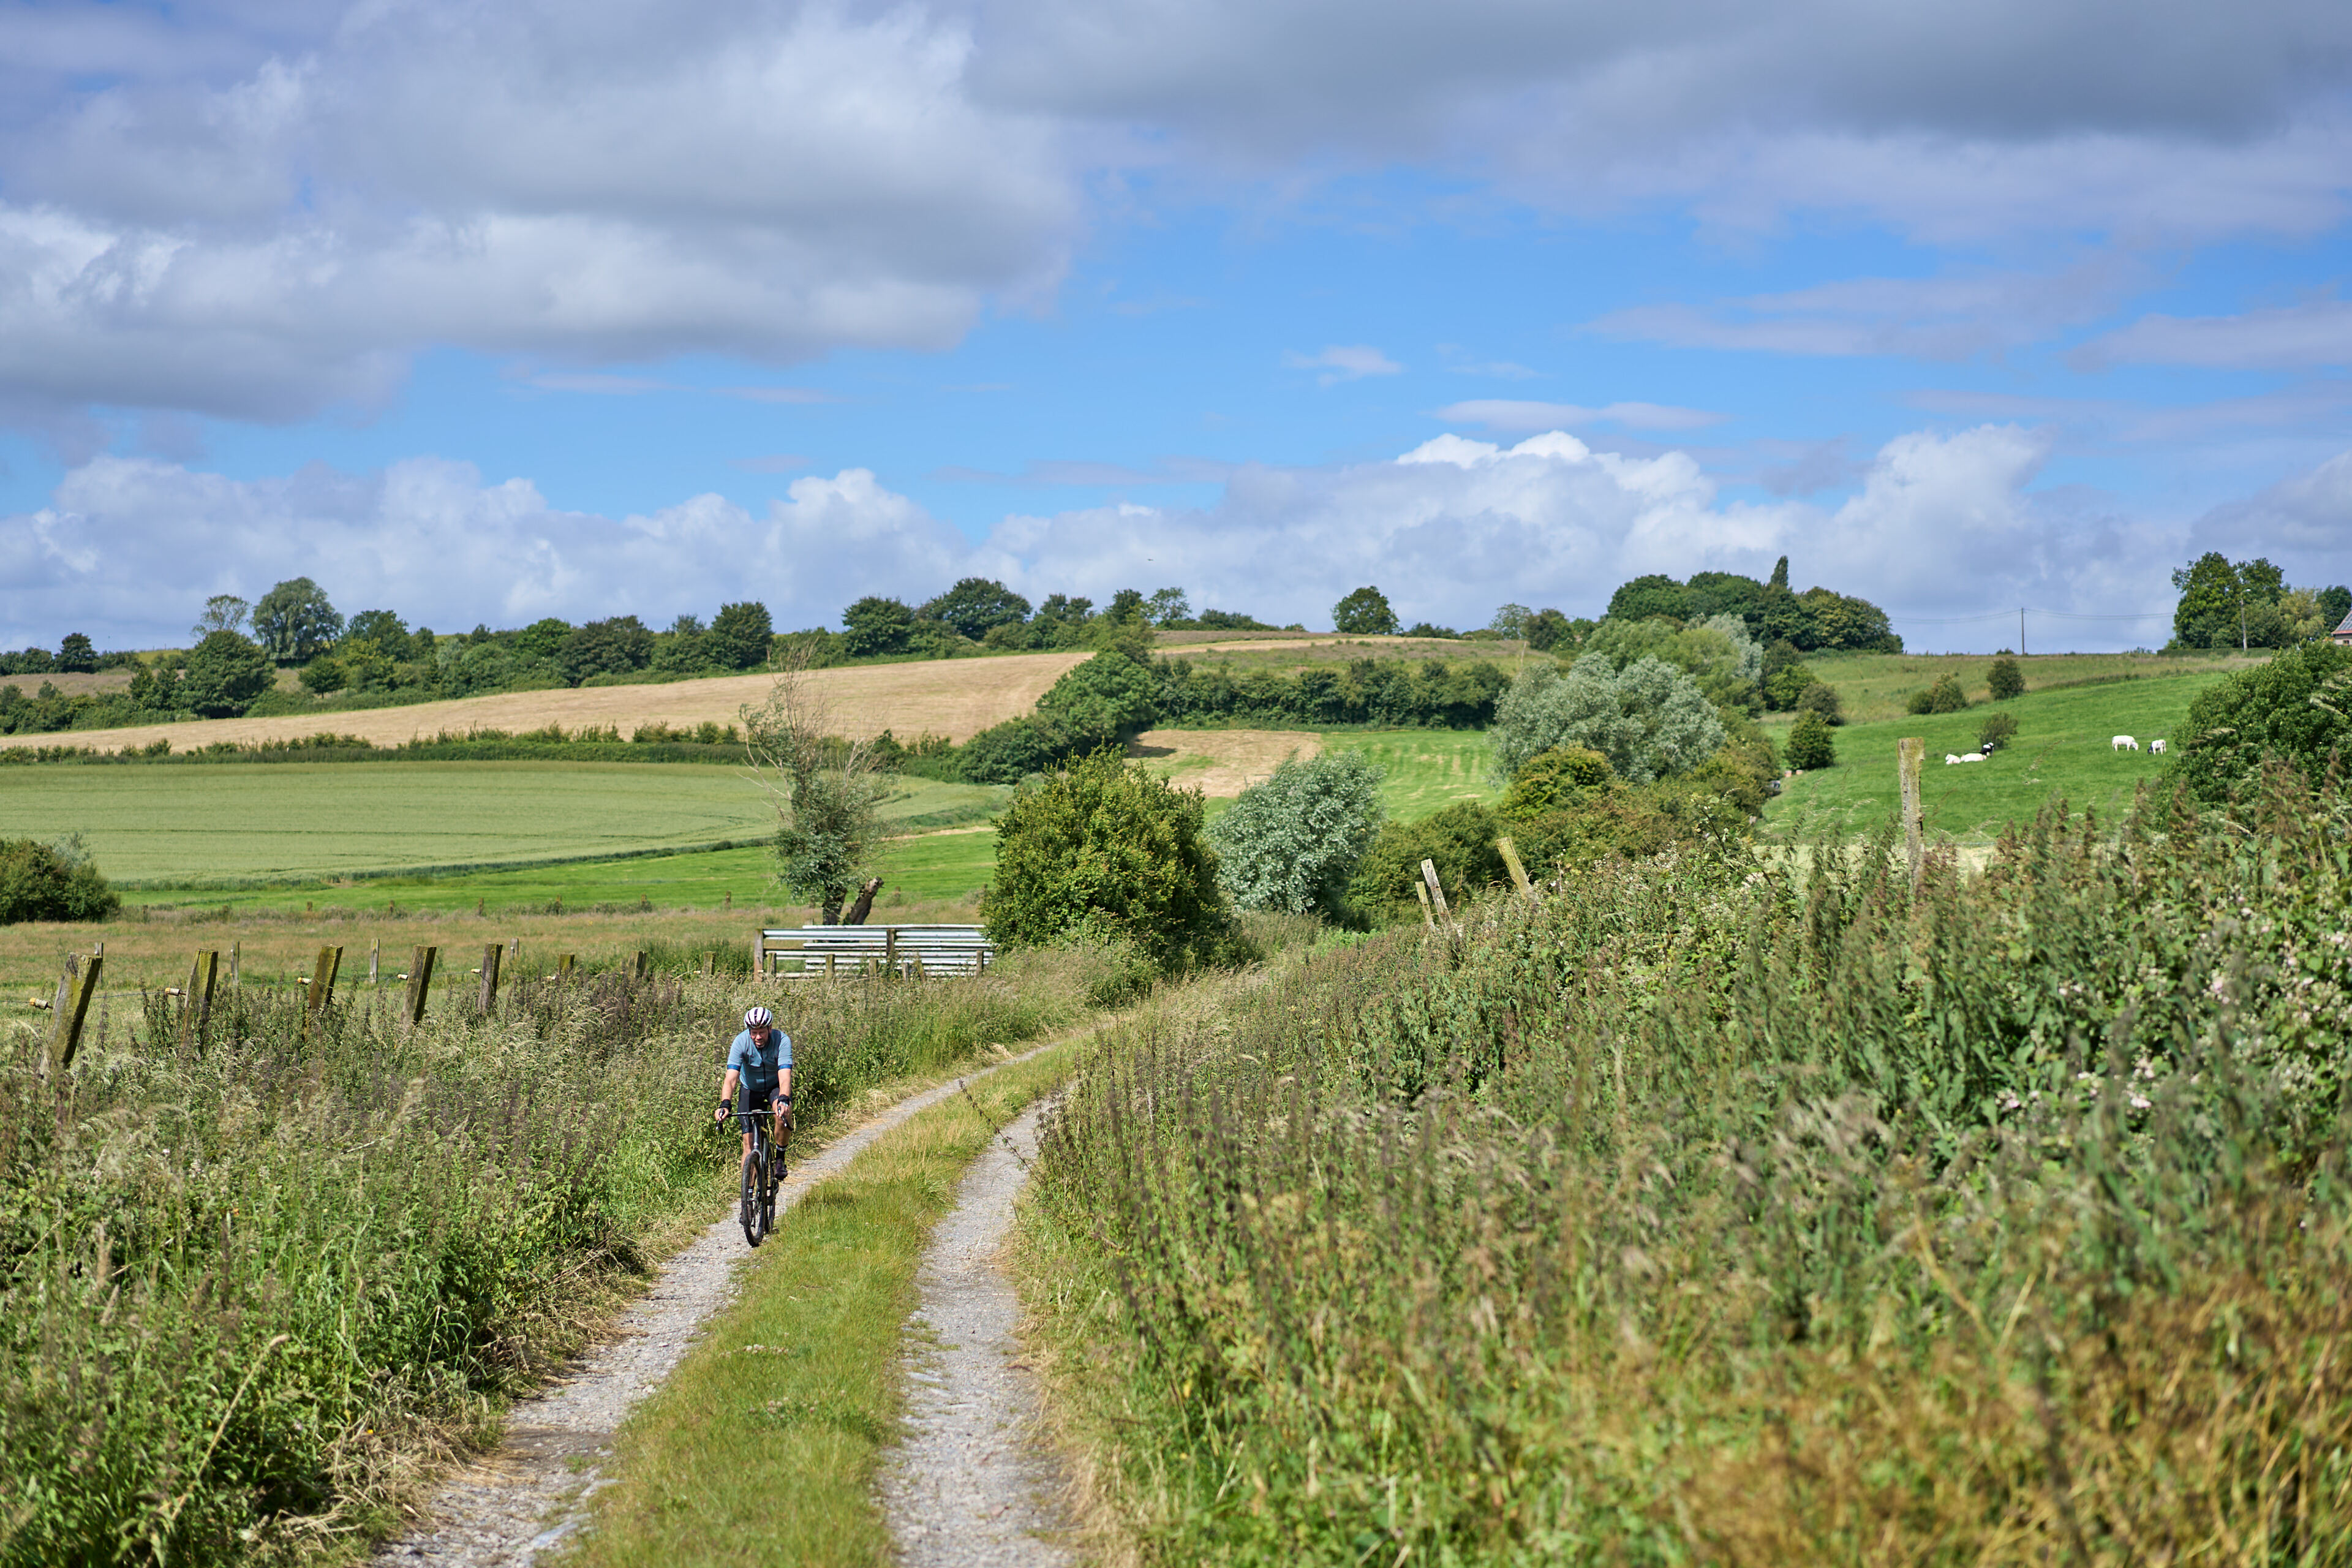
1720 1213
249 1287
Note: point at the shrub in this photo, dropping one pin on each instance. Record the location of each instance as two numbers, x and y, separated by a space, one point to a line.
1460 839
1008 752
1785 686
1821 697
2294 709
55 881
1996 731
1553 779
1290 844
225 674
1106 700
1104 851
2006 680
1634 822
324 675
1810 746
1650 720
1944 696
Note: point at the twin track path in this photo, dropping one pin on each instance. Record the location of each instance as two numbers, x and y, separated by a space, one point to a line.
504 1509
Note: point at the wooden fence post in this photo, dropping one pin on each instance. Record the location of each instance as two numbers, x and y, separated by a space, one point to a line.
489 996
1436 887
1422 892
375 960
708 960
197 1008
890 951
1909 753
759 953
1519 872
639 968
75 989
236 974
322 984
563 968
420 981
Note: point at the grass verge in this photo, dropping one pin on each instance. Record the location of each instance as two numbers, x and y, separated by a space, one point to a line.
762 1447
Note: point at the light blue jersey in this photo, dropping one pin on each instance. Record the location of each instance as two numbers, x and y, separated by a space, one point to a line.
760 1069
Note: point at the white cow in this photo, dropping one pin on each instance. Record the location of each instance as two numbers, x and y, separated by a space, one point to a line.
2124 744
1973 757
2156 748
1950 759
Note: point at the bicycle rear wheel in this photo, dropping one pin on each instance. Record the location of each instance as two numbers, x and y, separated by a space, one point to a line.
754 1215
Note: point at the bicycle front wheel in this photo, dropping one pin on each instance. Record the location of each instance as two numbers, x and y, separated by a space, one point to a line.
753 1211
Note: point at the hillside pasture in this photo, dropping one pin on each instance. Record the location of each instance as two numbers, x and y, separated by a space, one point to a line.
1875 686
2063 746
955 698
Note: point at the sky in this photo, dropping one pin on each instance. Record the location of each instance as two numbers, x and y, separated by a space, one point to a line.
483 312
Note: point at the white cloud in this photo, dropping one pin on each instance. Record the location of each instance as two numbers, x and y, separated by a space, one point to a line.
1508 414
2304 522
2299 336
1941 524
1344 362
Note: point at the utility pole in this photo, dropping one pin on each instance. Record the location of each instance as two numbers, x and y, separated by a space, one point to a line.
2020 631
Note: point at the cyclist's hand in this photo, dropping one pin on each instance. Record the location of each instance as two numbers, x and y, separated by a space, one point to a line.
719 1114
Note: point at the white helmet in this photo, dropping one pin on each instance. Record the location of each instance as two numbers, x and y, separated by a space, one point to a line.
758 1018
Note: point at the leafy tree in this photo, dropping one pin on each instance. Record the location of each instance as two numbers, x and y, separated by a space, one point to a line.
877 625
1716 652
1811 745
1012 637
295 622
1550 780
222 612
1511 622
2005 678
1229 621
1780 578
1062 621
225 672
381 627
2298 608
739 638
1821 697
52 881
324 675
1430 629
828 794
975 606
1785 686
366 667
2207 614
1108 701
1726 594
1548 630
2334 603
2297 708
1655 595
77 655
1106 850
1650 720
614 646
1008 752
1127 605
1292 843
1459 840
542 638
1167 606
685 647
1364 614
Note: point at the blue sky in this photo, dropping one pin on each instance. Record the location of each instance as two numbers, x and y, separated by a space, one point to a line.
487 313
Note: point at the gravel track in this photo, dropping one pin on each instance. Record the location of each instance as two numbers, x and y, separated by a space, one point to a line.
503 1510
970 1486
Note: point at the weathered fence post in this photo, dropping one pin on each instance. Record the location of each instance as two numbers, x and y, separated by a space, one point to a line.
322 984
236 974
563 968
829 959
489 996
420 981
375 960
1422 893
641 967
890 951
203 975
1436 887
1519 872
75 989
1909 753
708 958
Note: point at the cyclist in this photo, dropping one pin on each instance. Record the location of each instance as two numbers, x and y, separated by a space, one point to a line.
760 1059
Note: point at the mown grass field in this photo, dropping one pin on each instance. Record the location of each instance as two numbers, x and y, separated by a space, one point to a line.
2062 747
168 826
1875 686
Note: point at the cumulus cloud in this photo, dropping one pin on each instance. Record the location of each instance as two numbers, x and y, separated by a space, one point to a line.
1344 362
1939 524
2304 522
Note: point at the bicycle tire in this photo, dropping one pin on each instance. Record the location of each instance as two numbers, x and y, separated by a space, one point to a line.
749 1212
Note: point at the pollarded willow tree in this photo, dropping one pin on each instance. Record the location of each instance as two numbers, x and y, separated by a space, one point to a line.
1292 843
828 793
1648 718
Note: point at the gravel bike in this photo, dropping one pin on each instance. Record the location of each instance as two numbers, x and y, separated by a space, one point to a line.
763 1171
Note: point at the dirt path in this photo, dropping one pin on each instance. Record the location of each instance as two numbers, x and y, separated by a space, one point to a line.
969 1486
504 1508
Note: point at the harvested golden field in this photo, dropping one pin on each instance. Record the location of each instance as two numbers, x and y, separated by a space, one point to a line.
71 684
1222 763
955 698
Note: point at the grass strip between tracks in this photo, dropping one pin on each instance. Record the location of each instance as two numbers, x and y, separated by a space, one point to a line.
762 1447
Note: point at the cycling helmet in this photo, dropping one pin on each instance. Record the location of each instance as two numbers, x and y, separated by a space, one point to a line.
757 1017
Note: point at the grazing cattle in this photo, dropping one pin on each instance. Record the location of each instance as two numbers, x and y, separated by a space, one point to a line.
1950 759
2124 744
2156 748
1973 757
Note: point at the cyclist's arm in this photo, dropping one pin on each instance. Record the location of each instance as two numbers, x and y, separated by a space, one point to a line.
726 1090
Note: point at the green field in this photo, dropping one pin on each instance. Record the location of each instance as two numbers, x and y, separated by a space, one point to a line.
1875 686
2062 747
157 828
1422 769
